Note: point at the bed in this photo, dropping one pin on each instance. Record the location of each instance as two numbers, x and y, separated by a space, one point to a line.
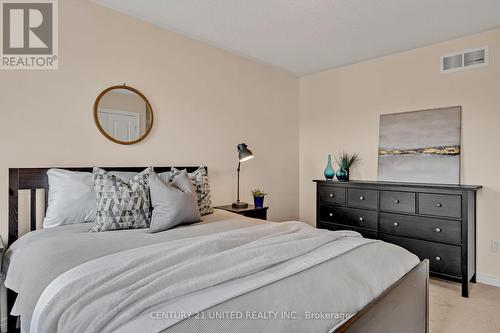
348 284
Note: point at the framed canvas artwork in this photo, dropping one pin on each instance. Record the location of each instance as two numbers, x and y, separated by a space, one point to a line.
420 146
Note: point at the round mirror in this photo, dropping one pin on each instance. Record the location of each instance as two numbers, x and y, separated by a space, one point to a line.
123 115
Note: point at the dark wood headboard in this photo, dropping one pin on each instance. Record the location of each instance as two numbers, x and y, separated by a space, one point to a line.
33 179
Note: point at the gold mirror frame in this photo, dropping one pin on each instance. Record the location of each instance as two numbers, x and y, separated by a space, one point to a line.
109 137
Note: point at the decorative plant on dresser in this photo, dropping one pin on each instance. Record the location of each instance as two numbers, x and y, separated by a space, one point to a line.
345 162
436 222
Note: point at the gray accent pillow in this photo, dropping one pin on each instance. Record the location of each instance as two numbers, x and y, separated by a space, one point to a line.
165 176
120 204
71 198
199 178
174 203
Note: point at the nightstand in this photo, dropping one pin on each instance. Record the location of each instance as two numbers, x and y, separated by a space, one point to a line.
250 211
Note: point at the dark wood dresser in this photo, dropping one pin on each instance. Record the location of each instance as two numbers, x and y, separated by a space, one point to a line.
436 222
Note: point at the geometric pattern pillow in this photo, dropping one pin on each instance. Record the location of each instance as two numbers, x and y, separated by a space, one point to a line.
199 178
120 204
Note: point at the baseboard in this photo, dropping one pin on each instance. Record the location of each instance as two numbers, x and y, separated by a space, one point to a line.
492 280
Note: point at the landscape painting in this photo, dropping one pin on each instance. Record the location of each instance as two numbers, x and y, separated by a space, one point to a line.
420 146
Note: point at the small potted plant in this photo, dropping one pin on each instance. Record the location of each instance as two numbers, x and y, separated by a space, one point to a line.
258 197
345 161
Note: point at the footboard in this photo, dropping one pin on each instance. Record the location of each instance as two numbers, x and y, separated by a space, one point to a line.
404 307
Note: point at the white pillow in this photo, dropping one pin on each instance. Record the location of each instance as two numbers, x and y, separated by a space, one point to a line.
71 198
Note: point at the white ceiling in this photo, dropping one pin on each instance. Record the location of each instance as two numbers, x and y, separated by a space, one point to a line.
307 36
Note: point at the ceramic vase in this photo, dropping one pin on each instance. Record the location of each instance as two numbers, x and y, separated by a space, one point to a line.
343 175
329 172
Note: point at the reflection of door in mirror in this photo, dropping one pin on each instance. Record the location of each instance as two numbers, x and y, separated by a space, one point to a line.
123 115
122 125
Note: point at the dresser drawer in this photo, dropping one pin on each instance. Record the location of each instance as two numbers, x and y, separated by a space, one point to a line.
362 198
360 218
432 229
332 195
333 226
444 259
397 201
449 205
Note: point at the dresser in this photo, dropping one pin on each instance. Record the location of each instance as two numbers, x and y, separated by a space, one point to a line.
436 222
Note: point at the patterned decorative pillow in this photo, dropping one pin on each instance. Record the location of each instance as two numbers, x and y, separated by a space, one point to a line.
120 204
199 178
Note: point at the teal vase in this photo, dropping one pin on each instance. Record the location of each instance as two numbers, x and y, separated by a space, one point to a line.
329 172
343 175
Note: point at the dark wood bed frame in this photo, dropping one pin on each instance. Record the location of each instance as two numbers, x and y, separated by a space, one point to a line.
403 307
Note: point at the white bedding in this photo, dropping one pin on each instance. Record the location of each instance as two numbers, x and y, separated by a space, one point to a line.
249 263
40 256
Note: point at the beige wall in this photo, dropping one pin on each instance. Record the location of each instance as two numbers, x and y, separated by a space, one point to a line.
340 109
205 101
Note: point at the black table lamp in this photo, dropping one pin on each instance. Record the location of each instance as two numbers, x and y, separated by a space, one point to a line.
244 154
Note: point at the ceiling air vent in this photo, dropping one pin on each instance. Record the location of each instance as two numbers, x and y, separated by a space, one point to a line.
463 60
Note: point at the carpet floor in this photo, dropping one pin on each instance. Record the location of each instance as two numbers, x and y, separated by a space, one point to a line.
451 313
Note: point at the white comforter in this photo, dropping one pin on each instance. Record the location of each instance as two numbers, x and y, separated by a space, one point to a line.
49 259
119 292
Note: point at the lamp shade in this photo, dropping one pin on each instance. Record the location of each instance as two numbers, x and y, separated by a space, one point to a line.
244 154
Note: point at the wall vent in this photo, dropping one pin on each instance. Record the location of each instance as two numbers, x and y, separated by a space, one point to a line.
463 60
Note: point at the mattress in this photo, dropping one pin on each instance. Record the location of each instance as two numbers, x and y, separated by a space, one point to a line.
311 300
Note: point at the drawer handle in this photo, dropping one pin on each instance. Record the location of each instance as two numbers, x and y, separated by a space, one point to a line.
439 204
331 214
331 195
396 224
396 201
361 218
361 198
438 258
438 229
